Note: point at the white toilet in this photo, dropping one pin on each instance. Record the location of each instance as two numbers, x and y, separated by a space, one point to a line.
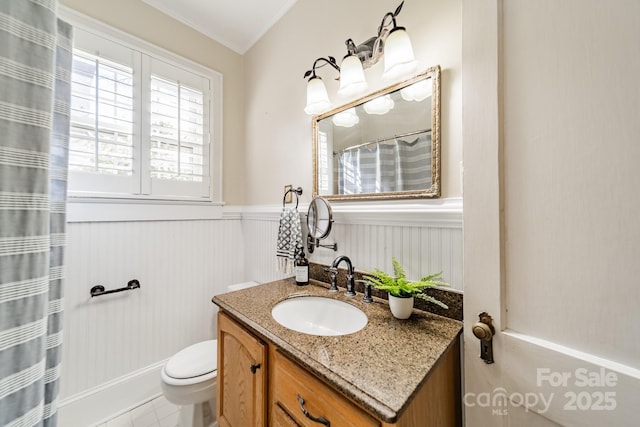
189 379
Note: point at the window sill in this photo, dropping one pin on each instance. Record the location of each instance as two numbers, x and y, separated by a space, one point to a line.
120 210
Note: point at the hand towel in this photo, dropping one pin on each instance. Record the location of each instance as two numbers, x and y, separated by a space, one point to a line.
289 238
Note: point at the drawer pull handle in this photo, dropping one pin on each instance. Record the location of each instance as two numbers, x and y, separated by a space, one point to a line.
254 367
320 420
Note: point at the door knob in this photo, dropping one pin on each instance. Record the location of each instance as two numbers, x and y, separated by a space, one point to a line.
484 331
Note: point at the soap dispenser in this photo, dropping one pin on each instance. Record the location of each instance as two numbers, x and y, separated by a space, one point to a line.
301 268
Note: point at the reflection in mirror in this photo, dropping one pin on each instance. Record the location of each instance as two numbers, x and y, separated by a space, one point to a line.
319 221
383 146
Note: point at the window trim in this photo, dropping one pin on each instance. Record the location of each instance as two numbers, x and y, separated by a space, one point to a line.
127 210
97 201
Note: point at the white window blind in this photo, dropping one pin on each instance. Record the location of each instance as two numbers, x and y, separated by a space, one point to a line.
101 116
177 135
179 159
140 124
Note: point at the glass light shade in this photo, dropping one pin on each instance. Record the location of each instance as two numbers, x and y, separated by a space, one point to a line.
380 105
317 97
346 118
399 60
352 80
418 91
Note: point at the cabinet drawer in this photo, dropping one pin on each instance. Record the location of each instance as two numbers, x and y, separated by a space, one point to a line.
291 382
280 418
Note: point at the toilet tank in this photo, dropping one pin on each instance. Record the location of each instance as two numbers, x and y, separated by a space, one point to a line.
243 285
230 288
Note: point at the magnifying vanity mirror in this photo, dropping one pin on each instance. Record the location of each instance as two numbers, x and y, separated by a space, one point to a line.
319 221
383 146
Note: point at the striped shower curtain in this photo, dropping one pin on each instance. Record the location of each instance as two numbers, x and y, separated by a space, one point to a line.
35 63
396 165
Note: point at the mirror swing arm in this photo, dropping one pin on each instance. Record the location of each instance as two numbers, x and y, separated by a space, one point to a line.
315 243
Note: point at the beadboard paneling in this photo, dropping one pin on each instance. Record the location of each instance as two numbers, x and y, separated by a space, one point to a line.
260 236
180 265
423 245
420 250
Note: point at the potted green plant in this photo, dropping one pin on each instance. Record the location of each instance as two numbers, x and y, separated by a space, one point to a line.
401 290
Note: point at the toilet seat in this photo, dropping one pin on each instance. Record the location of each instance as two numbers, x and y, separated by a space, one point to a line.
187 381
194 361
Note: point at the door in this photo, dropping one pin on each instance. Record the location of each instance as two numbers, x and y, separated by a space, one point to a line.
242 370
551 123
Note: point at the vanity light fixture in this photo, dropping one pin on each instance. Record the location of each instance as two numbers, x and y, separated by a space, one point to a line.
352 80
317 96
399 61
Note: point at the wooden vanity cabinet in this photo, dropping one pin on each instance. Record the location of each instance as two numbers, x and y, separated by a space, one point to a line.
242 376
436 403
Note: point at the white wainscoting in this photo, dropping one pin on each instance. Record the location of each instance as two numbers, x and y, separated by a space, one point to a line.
260 233
180 266
115 344
425 237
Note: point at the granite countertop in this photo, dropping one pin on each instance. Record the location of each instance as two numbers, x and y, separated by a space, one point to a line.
380 367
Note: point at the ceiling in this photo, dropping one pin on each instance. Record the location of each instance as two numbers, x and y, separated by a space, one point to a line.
237 24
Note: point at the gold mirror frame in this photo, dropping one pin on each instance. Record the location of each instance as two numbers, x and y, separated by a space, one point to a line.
434 190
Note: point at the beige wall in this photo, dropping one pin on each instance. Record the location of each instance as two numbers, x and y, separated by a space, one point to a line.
278 132
267 136
147 23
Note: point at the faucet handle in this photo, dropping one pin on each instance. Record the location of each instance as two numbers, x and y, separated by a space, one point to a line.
367 293
333 271
351 286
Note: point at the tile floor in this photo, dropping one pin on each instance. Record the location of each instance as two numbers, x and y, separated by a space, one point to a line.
157 413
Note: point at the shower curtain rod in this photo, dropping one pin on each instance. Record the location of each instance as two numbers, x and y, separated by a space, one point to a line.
389 138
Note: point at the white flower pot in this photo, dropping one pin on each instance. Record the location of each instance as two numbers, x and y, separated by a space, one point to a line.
401 308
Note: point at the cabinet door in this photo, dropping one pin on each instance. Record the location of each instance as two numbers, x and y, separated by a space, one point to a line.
242 374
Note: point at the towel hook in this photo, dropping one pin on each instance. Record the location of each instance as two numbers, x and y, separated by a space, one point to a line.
296 191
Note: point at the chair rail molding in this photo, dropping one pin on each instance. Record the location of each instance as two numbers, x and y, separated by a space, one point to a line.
441 213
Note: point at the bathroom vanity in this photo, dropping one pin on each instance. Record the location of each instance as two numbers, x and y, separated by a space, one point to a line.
390 373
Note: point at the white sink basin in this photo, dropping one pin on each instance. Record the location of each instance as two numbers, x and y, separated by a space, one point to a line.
319 316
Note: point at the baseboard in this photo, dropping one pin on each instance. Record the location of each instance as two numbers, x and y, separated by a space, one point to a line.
98 404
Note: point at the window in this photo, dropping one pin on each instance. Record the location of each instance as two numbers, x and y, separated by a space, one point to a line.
177 131
102 111
144 125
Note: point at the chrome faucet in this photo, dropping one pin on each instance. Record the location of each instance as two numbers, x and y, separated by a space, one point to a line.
333 270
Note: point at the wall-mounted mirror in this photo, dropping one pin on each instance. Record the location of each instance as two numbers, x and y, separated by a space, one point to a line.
383 146
319 221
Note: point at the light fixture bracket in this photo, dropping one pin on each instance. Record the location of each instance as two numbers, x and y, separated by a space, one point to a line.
329 60
371 50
